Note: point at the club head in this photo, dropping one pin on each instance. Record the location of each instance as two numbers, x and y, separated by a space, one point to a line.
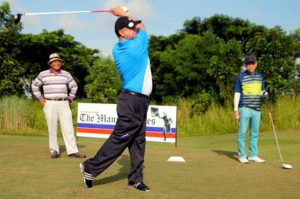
286 166
17 18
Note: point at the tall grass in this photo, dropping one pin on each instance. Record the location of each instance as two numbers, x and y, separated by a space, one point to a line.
286 113
14 114
20 116
219 120
25 116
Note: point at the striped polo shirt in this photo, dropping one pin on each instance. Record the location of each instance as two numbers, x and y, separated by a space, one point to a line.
250 86
54 85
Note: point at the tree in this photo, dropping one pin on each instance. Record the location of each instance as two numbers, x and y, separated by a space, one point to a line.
296 79
11 81
198 64
23 56
193 26
206 56
77 58
103 81
275 51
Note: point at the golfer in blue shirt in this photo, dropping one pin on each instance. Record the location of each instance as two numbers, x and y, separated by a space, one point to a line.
131 58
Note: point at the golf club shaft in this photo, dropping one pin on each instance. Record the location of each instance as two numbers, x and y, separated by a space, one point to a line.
275 134
64 12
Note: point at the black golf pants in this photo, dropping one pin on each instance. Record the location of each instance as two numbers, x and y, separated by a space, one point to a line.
129 132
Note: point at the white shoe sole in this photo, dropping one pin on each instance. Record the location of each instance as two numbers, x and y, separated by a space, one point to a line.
260 161
257 161
244 161
82 171
81 167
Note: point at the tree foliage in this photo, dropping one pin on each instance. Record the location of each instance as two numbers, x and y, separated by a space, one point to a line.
10 67
76 57
103 82
207 55
201 61
276 54
23 56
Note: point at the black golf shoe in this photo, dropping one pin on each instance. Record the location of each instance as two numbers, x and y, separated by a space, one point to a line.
139 186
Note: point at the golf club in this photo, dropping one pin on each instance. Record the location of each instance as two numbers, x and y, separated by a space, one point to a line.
19 15
284 165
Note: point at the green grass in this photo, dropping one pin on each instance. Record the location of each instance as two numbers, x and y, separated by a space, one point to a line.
211 170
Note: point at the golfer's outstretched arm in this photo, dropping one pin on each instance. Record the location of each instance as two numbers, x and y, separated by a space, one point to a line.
236 105
119 12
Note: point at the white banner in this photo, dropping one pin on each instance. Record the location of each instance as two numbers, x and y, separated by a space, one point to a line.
98 121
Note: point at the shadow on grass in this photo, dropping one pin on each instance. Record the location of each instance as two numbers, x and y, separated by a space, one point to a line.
62 147
80 146
230 154
124 161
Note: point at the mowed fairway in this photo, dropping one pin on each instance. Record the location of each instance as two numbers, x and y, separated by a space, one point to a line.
211 170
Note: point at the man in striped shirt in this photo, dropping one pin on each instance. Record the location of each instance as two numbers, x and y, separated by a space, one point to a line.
249 89
55 100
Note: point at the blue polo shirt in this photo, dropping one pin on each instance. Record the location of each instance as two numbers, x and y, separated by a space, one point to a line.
250 86
132 61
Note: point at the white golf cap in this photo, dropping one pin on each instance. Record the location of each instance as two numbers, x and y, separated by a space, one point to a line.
53 57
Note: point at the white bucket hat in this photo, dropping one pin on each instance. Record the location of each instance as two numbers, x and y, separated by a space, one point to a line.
53 57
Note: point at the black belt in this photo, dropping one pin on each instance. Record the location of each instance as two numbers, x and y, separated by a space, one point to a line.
136 94
57 99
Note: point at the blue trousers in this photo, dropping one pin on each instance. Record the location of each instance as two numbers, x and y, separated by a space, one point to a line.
252 117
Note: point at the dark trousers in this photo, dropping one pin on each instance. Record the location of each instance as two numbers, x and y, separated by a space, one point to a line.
129 132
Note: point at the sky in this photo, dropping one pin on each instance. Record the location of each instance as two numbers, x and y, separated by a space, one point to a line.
161 17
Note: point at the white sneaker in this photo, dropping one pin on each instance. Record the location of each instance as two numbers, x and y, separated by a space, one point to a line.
243 160
256 159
